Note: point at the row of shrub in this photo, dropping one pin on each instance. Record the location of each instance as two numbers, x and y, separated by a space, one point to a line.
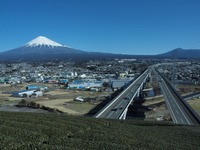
32 104
52 131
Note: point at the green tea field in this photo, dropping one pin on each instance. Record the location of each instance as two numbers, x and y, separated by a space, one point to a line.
29 131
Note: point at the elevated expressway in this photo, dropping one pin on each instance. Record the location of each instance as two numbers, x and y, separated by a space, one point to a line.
180 111
118 107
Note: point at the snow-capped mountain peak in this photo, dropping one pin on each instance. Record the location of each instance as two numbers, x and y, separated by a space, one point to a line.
43 41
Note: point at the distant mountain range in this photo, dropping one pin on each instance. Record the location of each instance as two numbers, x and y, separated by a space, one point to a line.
42 48
180 53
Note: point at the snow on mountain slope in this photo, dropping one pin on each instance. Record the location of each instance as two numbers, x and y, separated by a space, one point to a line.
42 48
43 41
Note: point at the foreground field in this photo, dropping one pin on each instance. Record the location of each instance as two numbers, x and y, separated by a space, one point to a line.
42 131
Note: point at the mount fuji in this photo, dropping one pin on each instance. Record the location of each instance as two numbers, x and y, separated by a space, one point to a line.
42 48
43 41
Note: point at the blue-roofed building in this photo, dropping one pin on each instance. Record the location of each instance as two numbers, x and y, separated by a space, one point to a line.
79 84
36 87
23 93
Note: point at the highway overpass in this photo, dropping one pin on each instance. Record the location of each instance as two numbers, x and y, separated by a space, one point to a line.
118 107
180 111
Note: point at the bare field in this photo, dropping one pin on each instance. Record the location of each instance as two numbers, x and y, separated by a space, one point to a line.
9 88
195 104
61 99
7 99
73 93
68 106
187 89
5 95
158 108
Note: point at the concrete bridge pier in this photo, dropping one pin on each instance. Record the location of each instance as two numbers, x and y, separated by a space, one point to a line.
140 90
138 93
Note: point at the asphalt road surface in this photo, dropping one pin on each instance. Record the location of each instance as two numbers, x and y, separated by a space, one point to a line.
118 105
178 112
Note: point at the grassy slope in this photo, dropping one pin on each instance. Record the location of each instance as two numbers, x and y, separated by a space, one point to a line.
47 131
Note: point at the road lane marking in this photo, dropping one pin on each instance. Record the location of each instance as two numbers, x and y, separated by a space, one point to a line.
183 114
168 104
124 92
110 114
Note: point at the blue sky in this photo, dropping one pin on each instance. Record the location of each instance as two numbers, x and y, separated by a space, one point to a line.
116 26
